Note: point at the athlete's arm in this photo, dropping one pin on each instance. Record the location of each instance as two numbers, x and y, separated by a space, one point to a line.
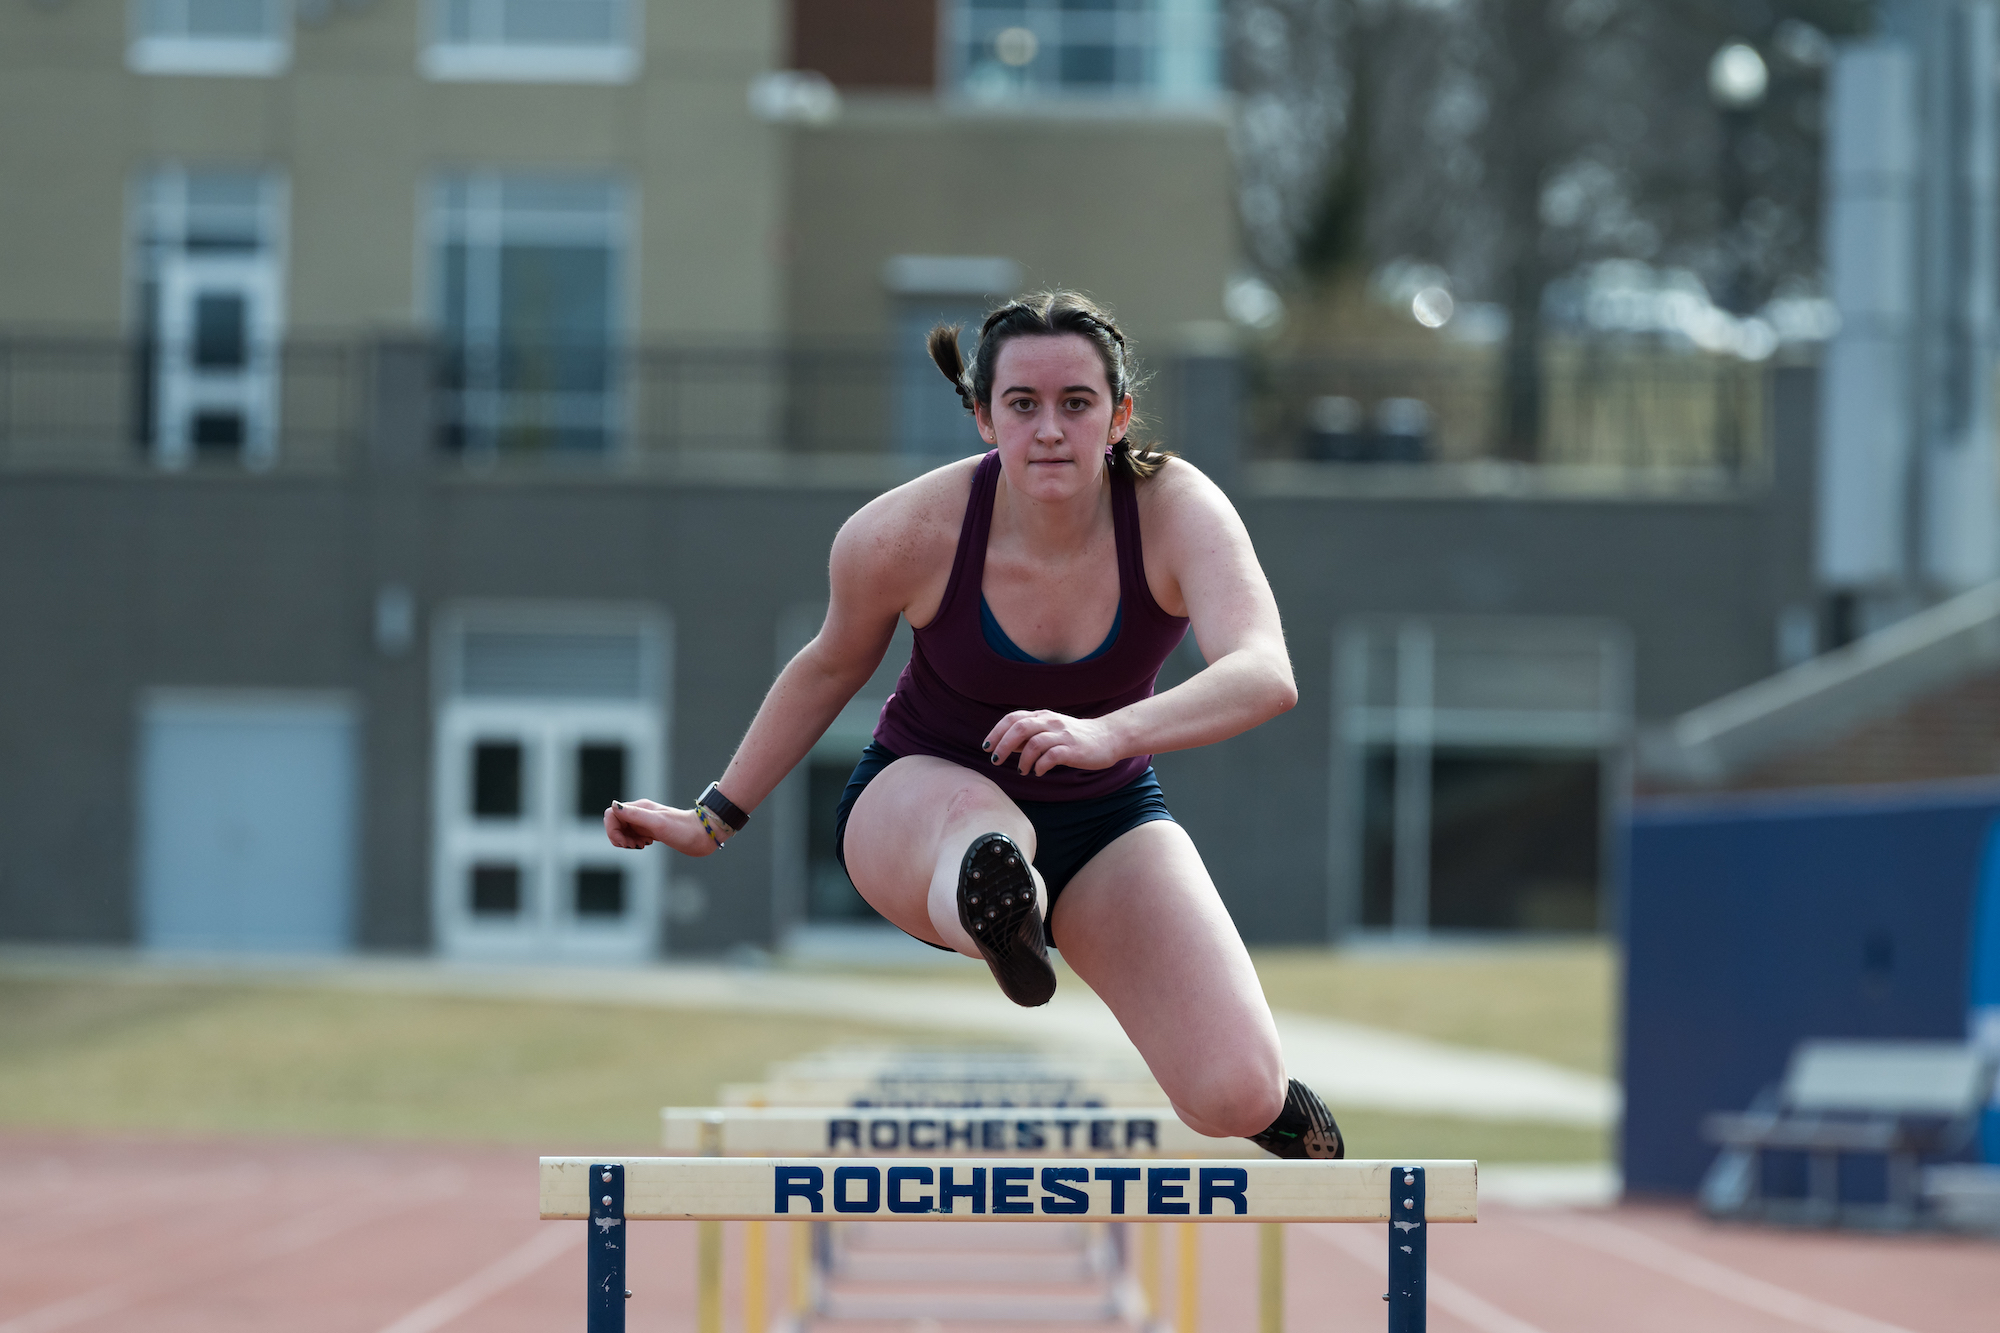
1196 537
876 566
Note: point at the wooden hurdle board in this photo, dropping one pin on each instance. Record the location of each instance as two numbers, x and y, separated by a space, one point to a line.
1003 1189
607 1194
787 1131
943 1078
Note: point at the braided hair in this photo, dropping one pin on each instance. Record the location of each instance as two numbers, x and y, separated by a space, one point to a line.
1046 314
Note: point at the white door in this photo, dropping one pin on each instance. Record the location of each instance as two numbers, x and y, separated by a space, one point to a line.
523 868
217 388
225 860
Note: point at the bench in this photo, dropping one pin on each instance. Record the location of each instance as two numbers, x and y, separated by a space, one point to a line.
1900 1100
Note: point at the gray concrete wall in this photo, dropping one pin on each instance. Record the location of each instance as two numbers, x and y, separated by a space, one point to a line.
118 583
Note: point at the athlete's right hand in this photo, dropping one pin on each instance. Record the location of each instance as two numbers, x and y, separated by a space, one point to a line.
638 824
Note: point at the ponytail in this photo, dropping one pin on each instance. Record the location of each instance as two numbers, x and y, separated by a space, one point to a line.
944 349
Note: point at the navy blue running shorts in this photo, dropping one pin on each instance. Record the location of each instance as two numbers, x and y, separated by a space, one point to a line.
1067 833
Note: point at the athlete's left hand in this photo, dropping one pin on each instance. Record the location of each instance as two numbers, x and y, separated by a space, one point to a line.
1045 739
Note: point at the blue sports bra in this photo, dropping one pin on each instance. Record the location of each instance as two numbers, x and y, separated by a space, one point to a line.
997 640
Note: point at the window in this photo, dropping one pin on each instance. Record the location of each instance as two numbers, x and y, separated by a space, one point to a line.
926 291
244 38
533 41
496 780
600 891
527 273
1010 50
600 778
208 264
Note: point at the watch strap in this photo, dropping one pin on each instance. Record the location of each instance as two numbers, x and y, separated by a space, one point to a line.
723 808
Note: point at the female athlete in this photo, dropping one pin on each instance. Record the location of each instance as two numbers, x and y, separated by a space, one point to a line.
1008 800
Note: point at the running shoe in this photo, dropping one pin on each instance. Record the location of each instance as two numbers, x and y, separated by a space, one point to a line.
1304 1129
996 905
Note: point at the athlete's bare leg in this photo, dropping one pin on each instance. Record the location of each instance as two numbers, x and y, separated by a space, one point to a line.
1142 924
908 833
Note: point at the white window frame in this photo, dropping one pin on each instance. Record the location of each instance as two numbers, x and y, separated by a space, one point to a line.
162 227
1185 61
491 58
182 52
1404 713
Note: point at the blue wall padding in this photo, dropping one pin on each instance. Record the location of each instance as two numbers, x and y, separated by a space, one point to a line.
1985 984
1755 921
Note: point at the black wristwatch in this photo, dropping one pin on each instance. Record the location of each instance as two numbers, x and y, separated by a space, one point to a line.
723 808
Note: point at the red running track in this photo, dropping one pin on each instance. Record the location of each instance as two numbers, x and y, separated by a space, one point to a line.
252 1236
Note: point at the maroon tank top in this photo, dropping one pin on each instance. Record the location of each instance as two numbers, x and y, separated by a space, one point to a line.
956 687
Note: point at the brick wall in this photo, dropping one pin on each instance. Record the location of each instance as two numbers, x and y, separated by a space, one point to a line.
1953 733
889 44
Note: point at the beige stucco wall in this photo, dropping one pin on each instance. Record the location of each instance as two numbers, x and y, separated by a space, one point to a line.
358 132
1136 209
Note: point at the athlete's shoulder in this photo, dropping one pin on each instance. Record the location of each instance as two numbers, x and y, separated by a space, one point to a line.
1180 490
911 524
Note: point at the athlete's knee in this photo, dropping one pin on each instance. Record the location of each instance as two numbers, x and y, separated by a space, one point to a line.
1236 1095
977 802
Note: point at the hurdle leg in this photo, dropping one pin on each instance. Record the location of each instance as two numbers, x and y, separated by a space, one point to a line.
1409 1251
754 1278
707 1277
604 1263
1271 1277
1187 1302
802 1271
1149 1273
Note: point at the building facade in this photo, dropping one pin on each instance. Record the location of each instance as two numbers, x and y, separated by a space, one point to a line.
421 423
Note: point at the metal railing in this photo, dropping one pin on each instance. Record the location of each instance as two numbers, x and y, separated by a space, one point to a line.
1633 409
91 403
70 402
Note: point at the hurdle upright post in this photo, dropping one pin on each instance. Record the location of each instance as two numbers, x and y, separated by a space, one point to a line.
1187 1278
605 1263
1271 1277
1149 1276
708 1247
754 1277
1409 1251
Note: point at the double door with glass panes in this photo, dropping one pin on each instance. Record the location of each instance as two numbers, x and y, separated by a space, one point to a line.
523 867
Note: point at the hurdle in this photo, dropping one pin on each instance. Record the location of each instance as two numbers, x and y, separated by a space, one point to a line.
609 1193
943 1078
1149 1131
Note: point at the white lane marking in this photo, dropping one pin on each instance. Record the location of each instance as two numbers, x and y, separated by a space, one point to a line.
1366 1248
488 1282
1637 1247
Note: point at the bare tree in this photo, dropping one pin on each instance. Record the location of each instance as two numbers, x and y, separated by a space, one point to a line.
1513 142
1290 61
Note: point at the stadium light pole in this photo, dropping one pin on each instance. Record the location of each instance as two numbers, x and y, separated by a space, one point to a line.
1737 81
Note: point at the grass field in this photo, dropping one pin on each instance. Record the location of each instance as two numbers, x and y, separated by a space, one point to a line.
1554 1001
123 1049
231 1058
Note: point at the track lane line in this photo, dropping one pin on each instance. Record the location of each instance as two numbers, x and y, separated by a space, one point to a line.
1453 1298
515 1266
1667 1259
